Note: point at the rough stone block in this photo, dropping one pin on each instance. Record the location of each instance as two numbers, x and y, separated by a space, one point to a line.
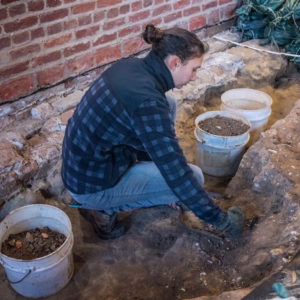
9 157
42 111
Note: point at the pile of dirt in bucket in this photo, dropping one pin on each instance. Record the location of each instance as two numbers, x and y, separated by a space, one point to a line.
31 244
223 126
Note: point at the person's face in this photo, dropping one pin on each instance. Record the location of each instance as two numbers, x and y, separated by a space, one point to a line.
184 72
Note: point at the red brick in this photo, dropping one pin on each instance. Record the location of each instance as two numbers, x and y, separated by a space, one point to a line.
87 32
53 3
55 28
99 16
161 9
69 1
84 20
16 88
139 16
35 5
221 2
132 46
209 5
197 22
147 3
8 1
4 42
63 39
157 2
77 48
136 5
45 59
213 17
113 12
17 10
20 24
54 15
21 37
3 13
105 38
155 22
70 24
107 54
14 69
172 17
124 9
50 76
30 49
106 3
113 24
228 11
191 11
129 30
181 4
36 33
80 64
82 8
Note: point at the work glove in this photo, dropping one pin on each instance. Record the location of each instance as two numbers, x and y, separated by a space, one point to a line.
232 222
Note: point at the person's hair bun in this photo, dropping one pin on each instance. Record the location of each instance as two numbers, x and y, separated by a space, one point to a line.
152 35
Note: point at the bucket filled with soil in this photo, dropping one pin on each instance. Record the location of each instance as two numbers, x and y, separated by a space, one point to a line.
36 249
221 140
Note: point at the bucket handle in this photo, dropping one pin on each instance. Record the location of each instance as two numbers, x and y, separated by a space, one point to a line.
18 281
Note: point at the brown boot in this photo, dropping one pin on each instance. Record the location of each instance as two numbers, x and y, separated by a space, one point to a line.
106 226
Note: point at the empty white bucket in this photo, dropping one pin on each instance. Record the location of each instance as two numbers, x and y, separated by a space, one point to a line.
252 104
219 155
46 275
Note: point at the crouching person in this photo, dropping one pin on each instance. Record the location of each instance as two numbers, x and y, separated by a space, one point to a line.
120 150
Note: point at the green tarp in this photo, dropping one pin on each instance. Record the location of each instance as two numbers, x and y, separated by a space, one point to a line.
273 21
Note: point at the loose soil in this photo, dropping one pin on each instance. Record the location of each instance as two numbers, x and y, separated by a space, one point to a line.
223 126
32 244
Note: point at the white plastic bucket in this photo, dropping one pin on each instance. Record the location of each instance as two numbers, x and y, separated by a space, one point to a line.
46 275
219 155
252 104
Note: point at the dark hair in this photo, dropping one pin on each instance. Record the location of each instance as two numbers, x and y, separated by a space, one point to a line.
174 41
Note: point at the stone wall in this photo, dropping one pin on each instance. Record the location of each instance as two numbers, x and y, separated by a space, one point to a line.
267 187
45 42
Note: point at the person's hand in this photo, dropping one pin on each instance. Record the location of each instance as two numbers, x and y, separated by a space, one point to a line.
232 222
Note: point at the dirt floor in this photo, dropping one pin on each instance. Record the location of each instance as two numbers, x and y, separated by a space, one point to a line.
163 255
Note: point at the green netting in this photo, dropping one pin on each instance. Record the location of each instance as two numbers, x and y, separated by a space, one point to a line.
273 21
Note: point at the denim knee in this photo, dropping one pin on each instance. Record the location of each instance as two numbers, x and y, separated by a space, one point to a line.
197 173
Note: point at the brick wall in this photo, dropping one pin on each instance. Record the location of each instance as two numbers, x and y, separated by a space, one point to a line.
44 42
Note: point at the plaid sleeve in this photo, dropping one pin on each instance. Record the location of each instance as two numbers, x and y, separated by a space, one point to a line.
153 126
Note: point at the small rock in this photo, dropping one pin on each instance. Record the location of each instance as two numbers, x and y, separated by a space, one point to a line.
29 237
45 235
12 242
19 244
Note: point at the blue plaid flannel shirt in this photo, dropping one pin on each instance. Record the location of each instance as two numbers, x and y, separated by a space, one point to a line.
102 140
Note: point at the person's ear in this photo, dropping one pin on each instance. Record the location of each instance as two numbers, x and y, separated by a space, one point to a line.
173 62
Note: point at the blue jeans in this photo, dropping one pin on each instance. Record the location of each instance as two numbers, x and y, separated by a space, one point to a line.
141 186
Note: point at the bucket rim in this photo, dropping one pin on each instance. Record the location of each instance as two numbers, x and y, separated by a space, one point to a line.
70 235
267 97
238 117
